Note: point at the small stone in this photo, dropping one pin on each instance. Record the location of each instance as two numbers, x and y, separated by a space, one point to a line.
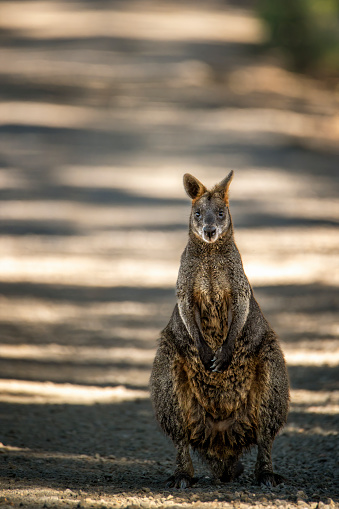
321 505
194 497
301 494
145 489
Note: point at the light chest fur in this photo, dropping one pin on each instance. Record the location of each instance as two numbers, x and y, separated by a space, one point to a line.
211 294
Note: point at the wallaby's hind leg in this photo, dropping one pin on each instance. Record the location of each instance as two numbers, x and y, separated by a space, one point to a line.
169 416
272 416
264 469
183 475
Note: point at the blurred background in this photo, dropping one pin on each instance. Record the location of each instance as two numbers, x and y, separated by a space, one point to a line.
104 105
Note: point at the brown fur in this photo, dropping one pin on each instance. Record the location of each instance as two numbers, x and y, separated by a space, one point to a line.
219 381
210 414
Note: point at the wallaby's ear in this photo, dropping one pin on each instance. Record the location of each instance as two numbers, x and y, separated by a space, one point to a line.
223 186
193 187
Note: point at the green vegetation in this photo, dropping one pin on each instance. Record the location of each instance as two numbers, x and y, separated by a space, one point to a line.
306 31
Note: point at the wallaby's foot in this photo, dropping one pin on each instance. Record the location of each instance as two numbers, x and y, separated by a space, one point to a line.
270 479
183 474
230 475
180 480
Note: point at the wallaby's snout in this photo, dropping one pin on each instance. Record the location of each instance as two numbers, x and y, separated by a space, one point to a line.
209 232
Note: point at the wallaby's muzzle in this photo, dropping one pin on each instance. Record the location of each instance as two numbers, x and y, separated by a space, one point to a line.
209 233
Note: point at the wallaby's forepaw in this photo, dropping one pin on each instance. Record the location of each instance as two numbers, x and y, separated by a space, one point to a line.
270 479
206 354
206 360
180 481
221 360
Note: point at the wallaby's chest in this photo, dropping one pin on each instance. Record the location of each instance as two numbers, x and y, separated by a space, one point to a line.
212 301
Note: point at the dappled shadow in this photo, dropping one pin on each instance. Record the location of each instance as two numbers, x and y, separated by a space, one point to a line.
268 220
79 372
37 227
314 378
85 139
97 196
83 294
311 298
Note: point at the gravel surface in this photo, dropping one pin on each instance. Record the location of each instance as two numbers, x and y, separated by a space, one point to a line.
102 111
62 457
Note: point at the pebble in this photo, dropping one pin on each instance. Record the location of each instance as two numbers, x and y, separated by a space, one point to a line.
302 495
194 497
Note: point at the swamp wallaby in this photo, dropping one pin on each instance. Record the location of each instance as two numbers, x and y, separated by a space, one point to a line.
219 383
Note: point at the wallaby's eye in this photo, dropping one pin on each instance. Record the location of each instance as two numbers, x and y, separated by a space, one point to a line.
221 213
197 213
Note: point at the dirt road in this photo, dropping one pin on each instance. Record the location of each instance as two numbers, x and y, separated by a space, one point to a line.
103 107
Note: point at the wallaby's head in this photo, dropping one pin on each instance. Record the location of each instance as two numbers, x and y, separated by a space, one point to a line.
210 216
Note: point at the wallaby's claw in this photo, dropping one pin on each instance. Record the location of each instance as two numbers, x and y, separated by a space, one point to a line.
215 369
179 481
270 479
213 364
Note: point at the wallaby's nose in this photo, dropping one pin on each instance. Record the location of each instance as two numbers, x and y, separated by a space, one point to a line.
210 231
